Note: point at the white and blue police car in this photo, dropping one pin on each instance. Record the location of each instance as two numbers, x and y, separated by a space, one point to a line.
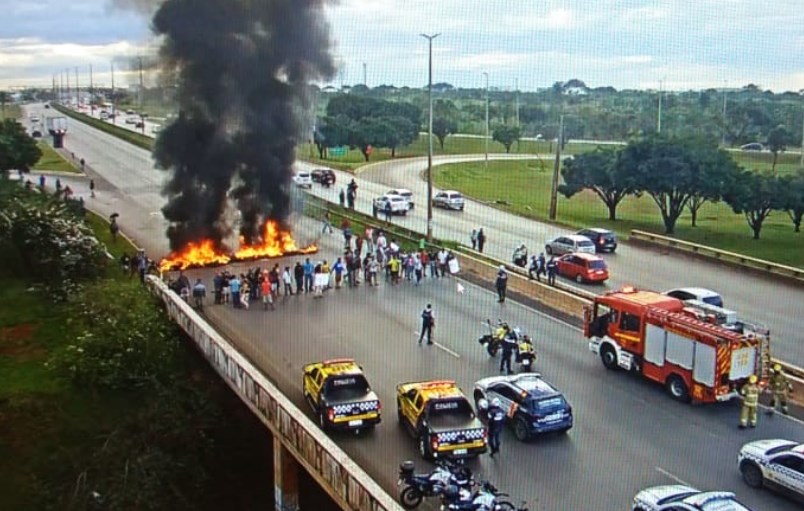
685 498
533 405
774 463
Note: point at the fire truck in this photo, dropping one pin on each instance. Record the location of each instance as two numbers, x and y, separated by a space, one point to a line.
699 353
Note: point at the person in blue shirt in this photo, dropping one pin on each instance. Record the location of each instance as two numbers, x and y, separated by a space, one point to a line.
234 288
308 276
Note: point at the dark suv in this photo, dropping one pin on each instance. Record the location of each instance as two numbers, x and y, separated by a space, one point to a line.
604 240
324 176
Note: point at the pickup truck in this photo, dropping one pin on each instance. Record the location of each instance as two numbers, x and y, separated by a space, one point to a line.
441 419
340 395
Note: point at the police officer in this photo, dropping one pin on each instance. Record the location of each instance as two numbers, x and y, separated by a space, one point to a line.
501 283
552 270
509 346
496 418
428 322
750 393
779 385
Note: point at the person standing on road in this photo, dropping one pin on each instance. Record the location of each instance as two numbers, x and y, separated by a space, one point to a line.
428 322
481 240
750 394
342 197
267 297
501 283
389 212
473 238
327 224
298 274
552 270
287 280
779 385
496 422
509 346
217 286
92 188
42 181
199 293
308 276
234 290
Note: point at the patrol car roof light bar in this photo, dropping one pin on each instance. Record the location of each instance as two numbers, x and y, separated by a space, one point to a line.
338 361
438 384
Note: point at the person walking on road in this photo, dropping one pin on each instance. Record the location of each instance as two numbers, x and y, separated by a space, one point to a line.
298 275
267 297
780 386
501 283
92 188
327 224
750 394
473 238
496 421
428 322
199 293
481 240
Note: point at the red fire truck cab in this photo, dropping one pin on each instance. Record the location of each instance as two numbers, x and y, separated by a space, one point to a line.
663 339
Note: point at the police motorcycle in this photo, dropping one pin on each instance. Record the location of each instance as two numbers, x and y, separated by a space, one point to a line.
432 484
520 256
494 339
525 353
486 498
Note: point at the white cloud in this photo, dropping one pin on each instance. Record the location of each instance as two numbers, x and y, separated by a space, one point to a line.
490 61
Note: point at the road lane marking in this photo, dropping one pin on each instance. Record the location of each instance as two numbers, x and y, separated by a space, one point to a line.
440 346
671 476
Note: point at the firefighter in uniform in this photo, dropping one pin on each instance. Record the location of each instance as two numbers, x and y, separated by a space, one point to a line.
779 386
748 412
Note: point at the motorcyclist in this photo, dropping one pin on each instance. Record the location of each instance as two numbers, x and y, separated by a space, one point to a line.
520 256
525 350
501 331
509 346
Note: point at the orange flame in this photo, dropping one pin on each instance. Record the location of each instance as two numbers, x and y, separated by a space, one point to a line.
275 243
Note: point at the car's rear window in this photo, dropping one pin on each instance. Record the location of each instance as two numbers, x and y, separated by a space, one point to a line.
450 407
346 387
714 300
597 265
546 405
455 196
585 243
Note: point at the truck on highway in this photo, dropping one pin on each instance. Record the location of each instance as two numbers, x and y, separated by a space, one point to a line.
57 127
669 341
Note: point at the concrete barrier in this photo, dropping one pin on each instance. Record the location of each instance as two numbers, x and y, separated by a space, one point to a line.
788 272
347 483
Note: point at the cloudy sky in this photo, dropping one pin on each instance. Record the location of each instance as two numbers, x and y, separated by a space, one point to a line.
685 44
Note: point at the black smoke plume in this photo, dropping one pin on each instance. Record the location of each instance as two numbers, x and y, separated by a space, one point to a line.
244 69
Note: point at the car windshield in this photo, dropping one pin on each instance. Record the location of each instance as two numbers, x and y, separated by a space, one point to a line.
597 265
550 404
346 387
455 196
723 504
452 407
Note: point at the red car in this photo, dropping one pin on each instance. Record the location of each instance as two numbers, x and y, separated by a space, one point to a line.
583 267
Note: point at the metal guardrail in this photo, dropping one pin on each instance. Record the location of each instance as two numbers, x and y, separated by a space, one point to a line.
345 481
796 274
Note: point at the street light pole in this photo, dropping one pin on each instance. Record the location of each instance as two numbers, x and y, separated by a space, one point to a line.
659 118
516 99
723 137
487 120
556 168
430 137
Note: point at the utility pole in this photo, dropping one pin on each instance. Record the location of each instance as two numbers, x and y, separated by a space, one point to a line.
142 117
77 90
516 100
429 136
802 142
659 118
365 83
67 73
114 104
723 137
556 167
487 121
91 92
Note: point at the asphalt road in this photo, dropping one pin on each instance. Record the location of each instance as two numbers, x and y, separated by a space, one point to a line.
773 302
628 433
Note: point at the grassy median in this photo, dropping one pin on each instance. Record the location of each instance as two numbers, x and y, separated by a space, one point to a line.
523 188
52 160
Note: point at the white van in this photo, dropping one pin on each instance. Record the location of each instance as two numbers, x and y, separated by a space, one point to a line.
303 179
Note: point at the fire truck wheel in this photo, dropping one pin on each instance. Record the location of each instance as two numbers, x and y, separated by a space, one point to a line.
609 357
752 475
677 388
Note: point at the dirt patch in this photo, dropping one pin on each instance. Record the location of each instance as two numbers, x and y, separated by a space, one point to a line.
17 342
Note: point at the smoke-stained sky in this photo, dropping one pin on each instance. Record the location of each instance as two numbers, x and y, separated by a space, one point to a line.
243 67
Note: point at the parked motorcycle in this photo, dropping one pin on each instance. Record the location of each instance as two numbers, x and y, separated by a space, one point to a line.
432 484
520 256
486 498
490 340
525 354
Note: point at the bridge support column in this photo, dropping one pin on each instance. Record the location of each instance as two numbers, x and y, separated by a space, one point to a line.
286 479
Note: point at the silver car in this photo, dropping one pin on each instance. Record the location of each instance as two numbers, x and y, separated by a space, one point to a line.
569 244
449 199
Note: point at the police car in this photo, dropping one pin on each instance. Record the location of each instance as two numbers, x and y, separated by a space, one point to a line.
340 395
777 464
684 498
533 405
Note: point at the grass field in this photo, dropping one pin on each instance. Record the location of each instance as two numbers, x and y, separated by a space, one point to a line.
11 112
51 160
525 187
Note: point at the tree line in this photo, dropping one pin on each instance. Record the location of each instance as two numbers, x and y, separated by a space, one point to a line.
682 173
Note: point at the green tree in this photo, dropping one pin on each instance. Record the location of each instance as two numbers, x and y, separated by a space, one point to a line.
777 142
18 150
599 171
793 198
718 171
399 132
506 135
445 120
755 196
670 170
3 100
